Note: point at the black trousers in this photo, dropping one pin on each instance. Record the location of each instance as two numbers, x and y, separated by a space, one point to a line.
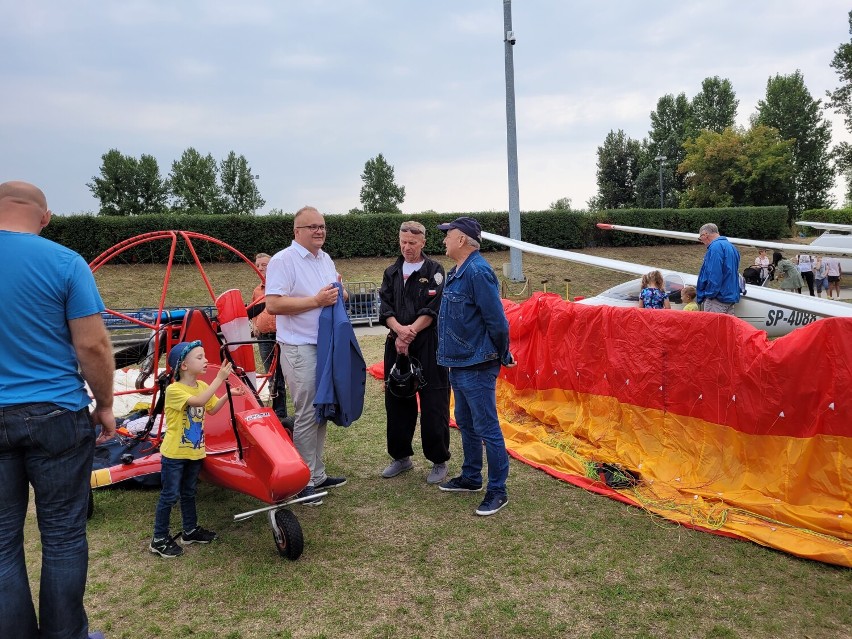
278 392
809 280
434 424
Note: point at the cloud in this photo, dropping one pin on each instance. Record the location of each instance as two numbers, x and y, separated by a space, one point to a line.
309 90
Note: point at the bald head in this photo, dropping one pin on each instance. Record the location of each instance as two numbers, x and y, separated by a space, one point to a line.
23 208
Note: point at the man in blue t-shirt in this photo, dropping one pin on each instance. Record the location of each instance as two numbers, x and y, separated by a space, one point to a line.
719 279
50 326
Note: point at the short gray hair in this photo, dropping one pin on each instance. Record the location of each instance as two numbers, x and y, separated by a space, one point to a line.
471 242
417 226
301 212
709 228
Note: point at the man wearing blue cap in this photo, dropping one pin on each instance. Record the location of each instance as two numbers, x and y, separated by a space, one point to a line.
473 341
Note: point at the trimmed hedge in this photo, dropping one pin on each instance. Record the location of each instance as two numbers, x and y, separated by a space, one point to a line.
376 235
833 216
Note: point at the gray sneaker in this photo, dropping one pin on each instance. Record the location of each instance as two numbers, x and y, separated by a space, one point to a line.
438 473
397 467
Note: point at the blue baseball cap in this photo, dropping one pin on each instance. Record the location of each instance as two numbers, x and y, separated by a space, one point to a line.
179 353
466 225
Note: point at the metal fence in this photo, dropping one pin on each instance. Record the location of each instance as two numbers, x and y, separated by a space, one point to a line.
125 331
362 308
363 304
149 316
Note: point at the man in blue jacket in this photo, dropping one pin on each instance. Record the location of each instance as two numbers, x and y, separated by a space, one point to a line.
718 281
473 341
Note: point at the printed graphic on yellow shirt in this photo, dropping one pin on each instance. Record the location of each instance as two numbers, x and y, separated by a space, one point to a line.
193 433
184 438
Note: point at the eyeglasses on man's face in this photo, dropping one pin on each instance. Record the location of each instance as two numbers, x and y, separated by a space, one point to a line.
410 229
313 228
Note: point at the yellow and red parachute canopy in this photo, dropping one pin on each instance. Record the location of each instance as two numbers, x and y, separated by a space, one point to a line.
728 431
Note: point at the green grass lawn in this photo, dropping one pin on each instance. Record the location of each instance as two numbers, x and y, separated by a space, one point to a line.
398 558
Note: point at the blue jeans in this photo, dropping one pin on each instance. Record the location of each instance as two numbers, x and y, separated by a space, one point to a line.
475 392
51 448
180 480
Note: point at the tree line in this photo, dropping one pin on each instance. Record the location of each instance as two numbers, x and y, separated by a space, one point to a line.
700 158
198 184
195 185
696 156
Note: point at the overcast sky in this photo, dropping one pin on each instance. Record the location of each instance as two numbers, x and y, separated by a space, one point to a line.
309 90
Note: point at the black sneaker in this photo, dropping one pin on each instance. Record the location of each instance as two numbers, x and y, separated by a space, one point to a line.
460 485
165 547
308 491
492 503
330 482
197 535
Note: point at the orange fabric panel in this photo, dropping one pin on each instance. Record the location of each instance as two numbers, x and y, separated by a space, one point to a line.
730 432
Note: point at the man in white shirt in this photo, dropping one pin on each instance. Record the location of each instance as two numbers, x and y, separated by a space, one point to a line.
299 283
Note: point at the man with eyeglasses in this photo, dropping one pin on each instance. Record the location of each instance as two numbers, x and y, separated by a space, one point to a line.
299 283
410 300
719 279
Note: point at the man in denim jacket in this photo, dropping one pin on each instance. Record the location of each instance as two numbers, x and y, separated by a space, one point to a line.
473 341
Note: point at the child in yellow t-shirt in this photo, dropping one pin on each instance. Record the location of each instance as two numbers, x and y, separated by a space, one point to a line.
182 450
687 295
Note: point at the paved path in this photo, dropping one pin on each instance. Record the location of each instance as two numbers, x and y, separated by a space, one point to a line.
375 329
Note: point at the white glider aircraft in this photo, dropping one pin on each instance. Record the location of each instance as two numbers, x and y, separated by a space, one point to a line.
776 312
836 236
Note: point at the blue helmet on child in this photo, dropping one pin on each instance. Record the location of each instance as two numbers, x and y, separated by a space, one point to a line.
179 353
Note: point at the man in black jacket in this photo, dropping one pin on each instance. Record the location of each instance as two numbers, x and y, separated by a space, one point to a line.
410 300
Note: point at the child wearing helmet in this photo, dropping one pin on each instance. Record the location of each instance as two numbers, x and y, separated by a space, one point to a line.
188 399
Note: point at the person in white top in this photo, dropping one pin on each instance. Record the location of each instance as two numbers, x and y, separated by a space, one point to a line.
805 264
820 272
833 272
299 283
762 262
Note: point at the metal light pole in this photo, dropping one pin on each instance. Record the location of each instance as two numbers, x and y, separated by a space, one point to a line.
516 274
661 159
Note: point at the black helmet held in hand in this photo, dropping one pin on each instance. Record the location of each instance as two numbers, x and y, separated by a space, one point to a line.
405 377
